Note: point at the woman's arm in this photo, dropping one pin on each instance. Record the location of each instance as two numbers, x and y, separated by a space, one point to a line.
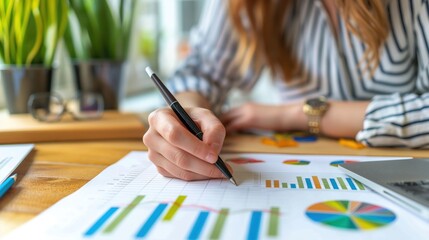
343 119
402 120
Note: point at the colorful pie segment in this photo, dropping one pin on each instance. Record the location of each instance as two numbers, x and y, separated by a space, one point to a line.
243 160
351 215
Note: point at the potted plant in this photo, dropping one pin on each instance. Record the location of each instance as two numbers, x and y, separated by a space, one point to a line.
98 39
29 35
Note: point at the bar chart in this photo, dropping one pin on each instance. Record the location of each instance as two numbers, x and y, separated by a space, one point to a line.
164 212
315 182
274 200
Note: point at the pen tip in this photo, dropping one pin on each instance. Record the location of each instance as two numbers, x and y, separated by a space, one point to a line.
149 71
232 180
14 176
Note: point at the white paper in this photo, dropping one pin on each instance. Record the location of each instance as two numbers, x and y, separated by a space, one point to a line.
10 158
249 209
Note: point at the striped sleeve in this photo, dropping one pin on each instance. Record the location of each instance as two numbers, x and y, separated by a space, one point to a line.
209 69
402 120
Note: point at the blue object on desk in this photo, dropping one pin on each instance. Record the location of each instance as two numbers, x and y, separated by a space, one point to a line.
7 184
309 138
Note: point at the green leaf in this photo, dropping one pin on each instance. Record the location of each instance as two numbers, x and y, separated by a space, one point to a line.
105 30
30 30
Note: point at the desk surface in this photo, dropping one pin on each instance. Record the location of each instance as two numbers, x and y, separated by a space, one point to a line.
55 170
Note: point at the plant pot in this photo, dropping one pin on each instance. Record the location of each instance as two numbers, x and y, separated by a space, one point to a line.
20 82
103 77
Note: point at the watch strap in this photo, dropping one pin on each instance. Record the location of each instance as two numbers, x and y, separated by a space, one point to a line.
314 124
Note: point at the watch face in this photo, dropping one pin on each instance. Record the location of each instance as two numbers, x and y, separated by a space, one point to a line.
316 102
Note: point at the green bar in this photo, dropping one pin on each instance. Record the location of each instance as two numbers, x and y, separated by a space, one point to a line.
359 184
123 214
300 182
325 183
342 184
220 221
284 185
173 209
273 225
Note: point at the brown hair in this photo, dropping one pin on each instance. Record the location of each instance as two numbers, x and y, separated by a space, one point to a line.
263 37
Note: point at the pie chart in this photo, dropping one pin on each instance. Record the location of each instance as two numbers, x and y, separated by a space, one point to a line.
296 162
337 162
353 215
244 160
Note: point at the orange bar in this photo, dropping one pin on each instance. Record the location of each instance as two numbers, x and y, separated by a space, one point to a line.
316 182
268 183
276 184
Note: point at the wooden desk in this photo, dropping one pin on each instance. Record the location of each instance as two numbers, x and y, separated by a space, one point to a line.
55 170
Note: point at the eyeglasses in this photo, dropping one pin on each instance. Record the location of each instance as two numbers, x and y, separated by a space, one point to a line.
50 107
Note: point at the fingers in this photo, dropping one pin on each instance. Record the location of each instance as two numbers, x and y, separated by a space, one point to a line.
178 153
212 127
172 130
168 169
235 120
174 158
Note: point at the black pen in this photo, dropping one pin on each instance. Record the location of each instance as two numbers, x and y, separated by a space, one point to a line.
185 119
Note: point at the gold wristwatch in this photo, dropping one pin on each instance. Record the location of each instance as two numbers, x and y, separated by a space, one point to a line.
315 108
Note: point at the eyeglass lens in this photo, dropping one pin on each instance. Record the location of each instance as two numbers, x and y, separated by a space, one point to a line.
49 107
46 107
86 106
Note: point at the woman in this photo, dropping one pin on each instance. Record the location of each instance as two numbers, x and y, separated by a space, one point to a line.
369 58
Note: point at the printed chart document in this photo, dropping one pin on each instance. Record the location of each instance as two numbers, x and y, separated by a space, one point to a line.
279 197
10 158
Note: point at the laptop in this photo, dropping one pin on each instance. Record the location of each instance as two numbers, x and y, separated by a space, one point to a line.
406 182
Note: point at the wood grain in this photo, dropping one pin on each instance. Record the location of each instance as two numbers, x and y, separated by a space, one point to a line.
22 128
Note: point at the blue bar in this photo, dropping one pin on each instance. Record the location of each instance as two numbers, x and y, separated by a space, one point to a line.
99 223
198 225
334 184
147 226
255 225
293 185
351 183
308 181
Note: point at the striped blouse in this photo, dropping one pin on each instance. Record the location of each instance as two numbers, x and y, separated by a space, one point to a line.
398 113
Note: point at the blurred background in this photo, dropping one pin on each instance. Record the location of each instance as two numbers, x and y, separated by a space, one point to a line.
159 38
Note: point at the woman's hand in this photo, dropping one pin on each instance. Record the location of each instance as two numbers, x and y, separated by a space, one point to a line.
178 153
265 117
